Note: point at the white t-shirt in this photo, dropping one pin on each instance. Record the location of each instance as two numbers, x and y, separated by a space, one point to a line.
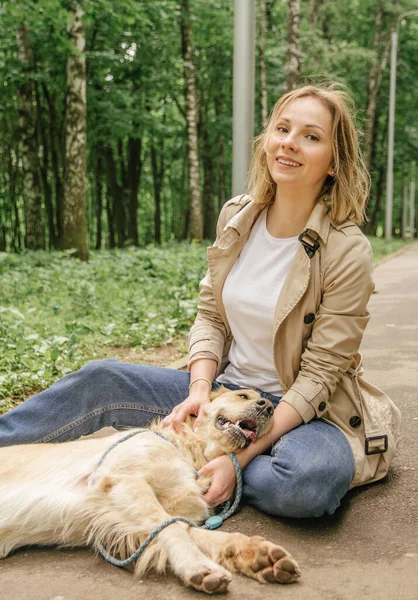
250 295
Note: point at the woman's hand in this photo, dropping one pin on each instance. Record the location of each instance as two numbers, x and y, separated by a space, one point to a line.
221 471
194 404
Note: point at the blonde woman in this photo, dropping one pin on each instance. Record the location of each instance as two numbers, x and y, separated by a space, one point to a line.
282 309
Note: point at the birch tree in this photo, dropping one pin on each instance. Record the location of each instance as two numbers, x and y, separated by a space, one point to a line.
74 214
292 66
315 7
261 59
377 68
28 150
196 221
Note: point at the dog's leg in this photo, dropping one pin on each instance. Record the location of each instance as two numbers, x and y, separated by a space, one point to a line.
251 556
187 561
129 511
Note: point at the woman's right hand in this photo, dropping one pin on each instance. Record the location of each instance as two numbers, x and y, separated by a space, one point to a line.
194 404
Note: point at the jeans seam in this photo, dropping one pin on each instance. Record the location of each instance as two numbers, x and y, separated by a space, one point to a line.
96 413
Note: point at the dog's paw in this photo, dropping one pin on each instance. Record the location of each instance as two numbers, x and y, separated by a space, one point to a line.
267 562
211 580
272 564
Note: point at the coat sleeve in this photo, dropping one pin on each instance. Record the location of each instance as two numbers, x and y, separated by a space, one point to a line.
338 327
209 331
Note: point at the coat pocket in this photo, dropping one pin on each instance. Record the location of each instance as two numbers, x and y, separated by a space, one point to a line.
381 417
382 420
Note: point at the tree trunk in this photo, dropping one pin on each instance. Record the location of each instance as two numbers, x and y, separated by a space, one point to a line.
56 162
373 89
292 67
16 241
196 221
99 200
209 216
134 177
110 217
222 184
313 17
157 163
124 194
75 211
44 170
375 78
34 218
116 199
261 60
379 195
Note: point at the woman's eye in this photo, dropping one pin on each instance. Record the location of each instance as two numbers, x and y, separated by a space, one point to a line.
282 129
312 137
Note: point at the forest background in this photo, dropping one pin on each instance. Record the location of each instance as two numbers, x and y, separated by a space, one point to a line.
116 133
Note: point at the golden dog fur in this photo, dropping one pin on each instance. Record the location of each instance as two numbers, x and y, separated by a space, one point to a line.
52 494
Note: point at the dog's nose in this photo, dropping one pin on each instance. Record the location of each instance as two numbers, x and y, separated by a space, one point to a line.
265 406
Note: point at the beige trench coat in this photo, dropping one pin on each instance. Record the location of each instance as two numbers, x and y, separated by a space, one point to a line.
319 321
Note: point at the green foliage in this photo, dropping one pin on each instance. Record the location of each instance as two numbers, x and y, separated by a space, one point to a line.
135 90
57 313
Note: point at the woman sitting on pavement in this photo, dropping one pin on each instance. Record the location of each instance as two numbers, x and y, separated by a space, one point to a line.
282 309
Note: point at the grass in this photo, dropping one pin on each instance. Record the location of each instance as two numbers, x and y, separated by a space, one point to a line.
57 313
382 248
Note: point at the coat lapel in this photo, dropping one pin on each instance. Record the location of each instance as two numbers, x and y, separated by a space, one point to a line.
226 250
294 287
223 254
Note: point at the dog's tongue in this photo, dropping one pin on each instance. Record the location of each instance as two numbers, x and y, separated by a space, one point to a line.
250 434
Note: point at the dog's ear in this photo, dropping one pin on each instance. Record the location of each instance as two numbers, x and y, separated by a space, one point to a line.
216 393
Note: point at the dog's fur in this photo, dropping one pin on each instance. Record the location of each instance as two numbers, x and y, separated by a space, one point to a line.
53 494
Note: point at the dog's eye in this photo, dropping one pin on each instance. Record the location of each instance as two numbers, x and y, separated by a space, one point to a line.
243 396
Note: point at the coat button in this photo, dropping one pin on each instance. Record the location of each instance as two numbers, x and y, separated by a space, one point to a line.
355 422
322 406
309 318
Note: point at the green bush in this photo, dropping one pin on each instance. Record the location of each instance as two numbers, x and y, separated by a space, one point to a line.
57 313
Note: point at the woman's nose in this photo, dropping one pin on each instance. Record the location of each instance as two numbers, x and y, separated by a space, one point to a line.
288 141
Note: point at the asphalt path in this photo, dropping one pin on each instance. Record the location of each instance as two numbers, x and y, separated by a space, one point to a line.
368 549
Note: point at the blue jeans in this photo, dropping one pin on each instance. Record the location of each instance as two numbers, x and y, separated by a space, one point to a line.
306 474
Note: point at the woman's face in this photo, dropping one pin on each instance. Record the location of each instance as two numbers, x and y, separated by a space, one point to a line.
299 150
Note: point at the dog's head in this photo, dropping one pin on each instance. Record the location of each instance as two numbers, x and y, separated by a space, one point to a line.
234 419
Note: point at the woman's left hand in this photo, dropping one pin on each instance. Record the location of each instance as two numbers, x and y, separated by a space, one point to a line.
221 471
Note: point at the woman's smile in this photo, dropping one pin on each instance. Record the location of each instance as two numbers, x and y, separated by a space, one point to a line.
286 162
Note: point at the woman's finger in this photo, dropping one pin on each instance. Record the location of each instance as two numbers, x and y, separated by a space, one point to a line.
200 415
168 420
179 417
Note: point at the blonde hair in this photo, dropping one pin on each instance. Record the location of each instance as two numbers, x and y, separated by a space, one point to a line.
345 194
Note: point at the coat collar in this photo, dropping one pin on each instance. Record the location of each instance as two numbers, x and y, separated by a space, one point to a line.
245 218
318 222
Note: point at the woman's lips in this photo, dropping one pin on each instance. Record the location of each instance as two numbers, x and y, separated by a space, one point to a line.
287 163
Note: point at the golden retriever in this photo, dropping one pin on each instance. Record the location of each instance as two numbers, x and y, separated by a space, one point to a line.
57 494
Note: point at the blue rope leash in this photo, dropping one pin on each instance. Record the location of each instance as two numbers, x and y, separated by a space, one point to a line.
211 523
152 535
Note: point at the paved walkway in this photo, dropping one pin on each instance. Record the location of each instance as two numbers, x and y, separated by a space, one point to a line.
367 550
